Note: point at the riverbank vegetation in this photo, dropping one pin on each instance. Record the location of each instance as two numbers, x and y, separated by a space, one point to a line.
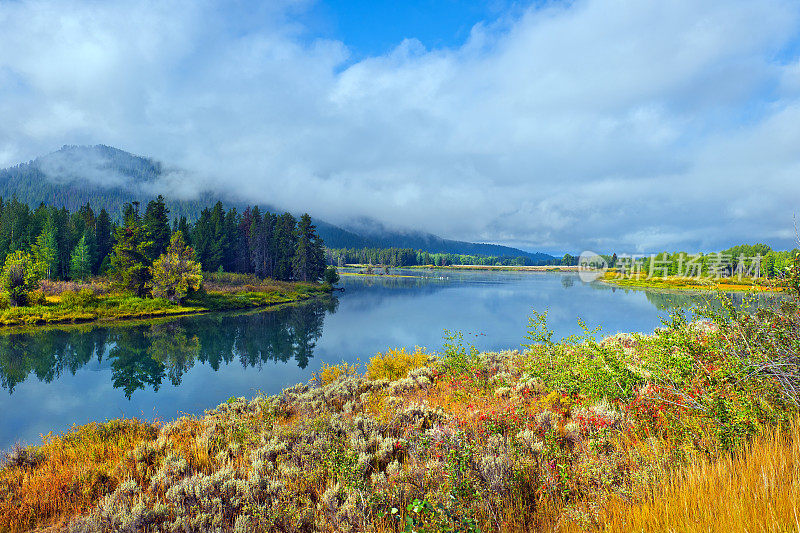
145 268
581 434
725 284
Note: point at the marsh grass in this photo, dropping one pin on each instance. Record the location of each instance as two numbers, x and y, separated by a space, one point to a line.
70 473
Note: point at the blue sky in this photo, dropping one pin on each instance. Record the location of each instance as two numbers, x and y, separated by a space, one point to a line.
588 124
375 27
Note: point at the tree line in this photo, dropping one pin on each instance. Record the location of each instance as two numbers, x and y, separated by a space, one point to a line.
400 257
52 243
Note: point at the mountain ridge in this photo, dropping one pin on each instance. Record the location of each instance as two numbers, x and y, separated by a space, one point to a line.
107 177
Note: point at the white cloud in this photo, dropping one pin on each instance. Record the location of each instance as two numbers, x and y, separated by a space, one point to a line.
589 124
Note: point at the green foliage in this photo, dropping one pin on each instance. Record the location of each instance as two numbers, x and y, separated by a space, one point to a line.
458 357
400 257
80 264
423 517
578 364
538 332
19 277
308 263
156 227
331 276
130 265
176 273
45 251
84 298
793 275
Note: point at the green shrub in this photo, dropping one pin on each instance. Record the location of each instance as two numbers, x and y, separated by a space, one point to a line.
69 298
36 298
19 277
86 297
458 358
331 277
578 364
83 298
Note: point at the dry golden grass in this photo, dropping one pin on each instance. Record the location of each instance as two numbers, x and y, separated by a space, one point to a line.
71 473
754 490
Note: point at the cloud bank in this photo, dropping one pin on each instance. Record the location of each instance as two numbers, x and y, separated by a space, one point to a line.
597 124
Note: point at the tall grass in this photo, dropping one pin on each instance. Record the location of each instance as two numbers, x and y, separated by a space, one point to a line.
67 474
754 489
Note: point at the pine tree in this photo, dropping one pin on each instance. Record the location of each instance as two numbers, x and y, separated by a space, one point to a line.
156 226
103 234
205 243
183 227
285 243
176 273
242 258
308 263
45 251
130 263
64 241
80 265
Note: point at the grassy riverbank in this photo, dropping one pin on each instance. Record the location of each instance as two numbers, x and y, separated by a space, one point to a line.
693 284
94 301
635 431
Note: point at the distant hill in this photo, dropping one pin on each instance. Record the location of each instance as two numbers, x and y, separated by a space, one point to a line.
107 177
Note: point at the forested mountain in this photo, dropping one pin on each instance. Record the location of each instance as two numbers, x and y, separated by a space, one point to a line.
107 178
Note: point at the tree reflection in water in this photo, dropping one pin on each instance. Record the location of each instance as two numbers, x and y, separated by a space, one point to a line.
144 355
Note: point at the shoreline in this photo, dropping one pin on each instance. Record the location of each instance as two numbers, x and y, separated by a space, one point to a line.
686 285
35 318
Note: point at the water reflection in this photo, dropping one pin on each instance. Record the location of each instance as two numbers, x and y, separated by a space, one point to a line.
143 356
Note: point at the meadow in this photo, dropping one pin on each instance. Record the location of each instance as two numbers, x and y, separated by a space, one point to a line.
692 428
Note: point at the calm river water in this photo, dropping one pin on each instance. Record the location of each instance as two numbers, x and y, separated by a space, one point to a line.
52 379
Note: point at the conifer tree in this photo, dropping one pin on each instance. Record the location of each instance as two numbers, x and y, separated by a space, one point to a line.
308 263
242 257
80 265
285 243
156 225
205 243
130 263
103 239
45 251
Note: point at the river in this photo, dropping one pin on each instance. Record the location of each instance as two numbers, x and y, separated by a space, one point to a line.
54 378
